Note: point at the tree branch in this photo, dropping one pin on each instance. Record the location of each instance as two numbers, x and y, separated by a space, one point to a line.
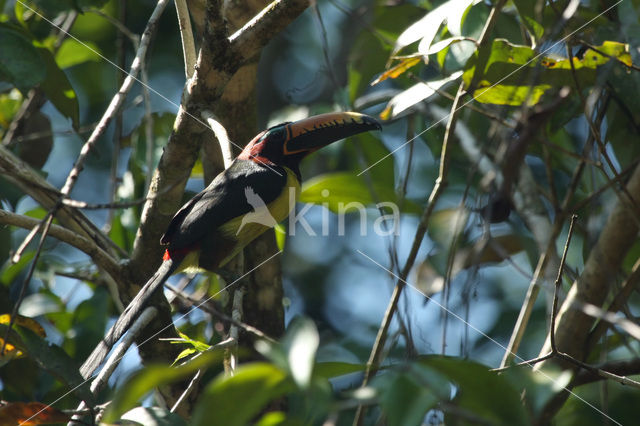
218 60
101 258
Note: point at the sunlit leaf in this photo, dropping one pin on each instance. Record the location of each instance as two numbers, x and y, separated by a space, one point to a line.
235 400
370 52
428 280
445 224
23 321
195 346
276 418
443 44
426 28
152 416
510 70
399 69
9 106
343 192
72 52
301 343
593 58
145 380
11 270
415 94
281 236
9 353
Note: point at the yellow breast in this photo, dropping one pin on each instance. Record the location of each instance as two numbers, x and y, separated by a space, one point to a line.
247 227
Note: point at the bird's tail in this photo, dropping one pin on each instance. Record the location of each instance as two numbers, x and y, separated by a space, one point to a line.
124 321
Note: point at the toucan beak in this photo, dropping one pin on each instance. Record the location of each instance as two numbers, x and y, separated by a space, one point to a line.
313 133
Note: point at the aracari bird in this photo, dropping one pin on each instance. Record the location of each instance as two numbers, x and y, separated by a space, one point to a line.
217 223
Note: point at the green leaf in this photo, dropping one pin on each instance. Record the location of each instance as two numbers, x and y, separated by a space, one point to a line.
539 386
427 28
371 50
89 321
20 62
508 73
9 105
372 149
153 416
235 400
59 90
403 400
54 7
415 94
50 358
273 418
11 270
72 52
445 224
5 244
281 236
500 406
340 190
145 380
301 343
336 369
195 345
531 17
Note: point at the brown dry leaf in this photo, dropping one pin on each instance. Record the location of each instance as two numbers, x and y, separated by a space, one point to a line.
30 414
399 69
25 322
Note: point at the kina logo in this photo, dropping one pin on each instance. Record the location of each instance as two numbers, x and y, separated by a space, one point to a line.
260 213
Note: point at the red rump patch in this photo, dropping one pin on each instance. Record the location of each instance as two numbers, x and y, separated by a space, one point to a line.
167 255
179 254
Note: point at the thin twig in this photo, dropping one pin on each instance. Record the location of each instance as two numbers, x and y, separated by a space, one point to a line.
119 25
441 182
148 127
557 284
196 377
186 35
27 279
118 99
210 309
231 353
534 286
101 258
378 346
112 109
117 127
627 287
